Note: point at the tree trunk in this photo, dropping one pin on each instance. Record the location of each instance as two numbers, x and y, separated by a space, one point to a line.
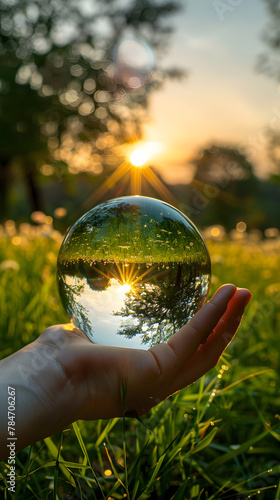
179 275
33 191
4 187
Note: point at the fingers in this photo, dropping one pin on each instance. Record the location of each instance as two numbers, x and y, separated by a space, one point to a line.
182 346
158 372
201 325
228 325
208 354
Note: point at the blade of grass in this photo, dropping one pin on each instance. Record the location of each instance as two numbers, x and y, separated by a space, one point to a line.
57 468
106 431
113 467
242 380
152 479
233 453
84 450
27 469
123 396
277 497
251 478
200 396
204 442
180 493
55 453
263 420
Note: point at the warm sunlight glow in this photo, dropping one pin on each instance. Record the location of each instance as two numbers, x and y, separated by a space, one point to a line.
144 152
138 158
136 155
125 288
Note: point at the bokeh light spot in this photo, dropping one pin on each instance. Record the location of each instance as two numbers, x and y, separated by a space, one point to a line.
215 231
48 220
89 85
60 212
241 226
38 217
271 232
16 240
135 53
134 61
10 224
47 169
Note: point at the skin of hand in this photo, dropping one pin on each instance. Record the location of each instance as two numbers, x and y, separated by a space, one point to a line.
62 376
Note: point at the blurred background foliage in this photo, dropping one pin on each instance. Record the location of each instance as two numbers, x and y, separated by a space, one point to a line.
71 98
68 100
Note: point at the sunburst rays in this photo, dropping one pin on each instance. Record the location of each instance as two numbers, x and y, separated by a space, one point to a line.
136 169
125 274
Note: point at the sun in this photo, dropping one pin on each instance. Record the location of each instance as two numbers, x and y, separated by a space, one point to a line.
136 164
125 288
138 158
143 153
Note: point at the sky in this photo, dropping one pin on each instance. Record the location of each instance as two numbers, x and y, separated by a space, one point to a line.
224 99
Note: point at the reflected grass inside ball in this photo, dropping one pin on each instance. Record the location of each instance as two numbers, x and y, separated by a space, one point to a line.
132 271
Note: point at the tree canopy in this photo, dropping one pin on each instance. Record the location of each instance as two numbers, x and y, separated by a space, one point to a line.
74 82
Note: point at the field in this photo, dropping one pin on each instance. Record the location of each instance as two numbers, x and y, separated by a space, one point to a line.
217 439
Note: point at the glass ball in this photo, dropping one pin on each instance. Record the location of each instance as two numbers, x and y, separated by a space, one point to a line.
132 271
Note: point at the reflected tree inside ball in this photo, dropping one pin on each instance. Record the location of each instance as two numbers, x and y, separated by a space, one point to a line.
132 271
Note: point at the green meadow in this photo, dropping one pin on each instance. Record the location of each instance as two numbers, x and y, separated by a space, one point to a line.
216 439
134 231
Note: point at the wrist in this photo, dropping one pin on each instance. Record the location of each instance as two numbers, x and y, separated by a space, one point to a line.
42 397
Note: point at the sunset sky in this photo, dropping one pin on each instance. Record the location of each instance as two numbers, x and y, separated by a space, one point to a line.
224 99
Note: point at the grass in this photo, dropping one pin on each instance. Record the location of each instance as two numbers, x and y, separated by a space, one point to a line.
217 439
139 231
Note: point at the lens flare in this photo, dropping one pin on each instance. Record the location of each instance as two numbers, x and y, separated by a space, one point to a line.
134 61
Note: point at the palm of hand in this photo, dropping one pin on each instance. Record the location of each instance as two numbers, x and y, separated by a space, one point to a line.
90 376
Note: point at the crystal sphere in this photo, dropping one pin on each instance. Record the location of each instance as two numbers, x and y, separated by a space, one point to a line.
132 271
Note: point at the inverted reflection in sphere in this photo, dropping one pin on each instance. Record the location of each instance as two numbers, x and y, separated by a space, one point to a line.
132 271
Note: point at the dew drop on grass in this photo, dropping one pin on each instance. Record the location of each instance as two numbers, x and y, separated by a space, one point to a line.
132 296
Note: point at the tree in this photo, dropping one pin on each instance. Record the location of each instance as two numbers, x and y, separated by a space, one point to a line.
221 165
224 188
69 91
155 311
273 147
269 63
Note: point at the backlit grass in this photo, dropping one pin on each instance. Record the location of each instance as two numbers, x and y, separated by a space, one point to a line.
218 438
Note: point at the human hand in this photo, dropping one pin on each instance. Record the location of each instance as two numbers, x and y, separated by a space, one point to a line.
63 377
